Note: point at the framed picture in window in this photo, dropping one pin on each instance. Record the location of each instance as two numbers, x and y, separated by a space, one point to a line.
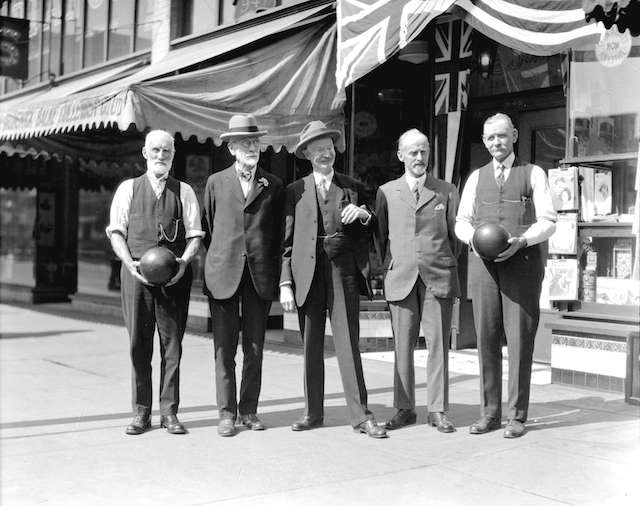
563 278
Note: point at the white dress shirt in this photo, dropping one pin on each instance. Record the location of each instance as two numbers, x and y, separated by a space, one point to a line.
119 215
411 181
546 215
246 185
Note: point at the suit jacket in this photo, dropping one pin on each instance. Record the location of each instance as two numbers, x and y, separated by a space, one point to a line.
301 229
239 231
417 238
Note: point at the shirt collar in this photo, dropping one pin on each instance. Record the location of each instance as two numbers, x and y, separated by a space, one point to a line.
319 177
411 180
507 162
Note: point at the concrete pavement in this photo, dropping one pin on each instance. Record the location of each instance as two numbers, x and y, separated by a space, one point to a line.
65 400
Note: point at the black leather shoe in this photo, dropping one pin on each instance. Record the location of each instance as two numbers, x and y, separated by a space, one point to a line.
514 429
402 418
440 421
371 429
307 423
172 424
227 427
484 425
252 422
138 425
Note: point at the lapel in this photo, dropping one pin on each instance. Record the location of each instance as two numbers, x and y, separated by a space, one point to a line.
256 188
234 183
349 194
309 199
404 193
426 194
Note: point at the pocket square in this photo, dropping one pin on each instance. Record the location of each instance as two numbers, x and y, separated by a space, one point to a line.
439 207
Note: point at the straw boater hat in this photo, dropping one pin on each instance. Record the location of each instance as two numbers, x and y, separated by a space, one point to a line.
312 131
242 125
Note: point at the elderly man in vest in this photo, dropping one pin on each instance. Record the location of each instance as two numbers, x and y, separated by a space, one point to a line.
505 292
325 268
155 210
417 244
243 221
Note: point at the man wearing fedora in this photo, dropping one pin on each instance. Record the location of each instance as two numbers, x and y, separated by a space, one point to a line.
243 221
325 268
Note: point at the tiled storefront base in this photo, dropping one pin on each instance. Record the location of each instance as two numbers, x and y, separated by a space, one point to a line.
589 361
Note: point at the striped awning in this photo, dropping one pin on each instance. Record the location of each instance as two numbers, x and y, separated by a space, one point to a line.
371 31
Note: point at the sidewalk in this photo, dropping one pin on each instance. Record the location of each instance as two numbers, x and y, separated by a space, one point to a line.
65 401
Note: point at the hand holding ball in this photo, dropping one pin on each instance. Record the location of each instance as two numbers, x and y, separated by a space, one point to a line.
489 240
158 265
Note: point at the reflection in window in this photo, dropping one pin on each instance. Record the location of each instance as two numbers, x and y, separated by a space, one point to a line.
548 146
72 36
121 27
17 246
144 24
96 31
34 14
604 107
52 32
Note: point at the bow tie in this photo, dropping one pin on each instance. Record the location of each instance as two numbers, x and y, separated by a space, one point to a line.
245 175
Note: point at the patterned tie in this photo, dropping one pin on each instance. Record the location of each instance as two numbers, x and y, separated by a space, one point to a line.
500 176
322 188
245 175
416 191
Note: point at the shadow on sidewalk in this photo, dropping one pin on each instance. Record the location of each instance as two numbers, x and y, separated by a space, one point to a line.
20 335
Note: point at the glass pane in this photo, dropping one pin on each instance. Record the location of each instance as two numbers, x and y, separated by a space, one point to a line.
17 247
204 15
51 33
34 13
604 106
17 9
144 24
548 147
121 27
72 37
96 30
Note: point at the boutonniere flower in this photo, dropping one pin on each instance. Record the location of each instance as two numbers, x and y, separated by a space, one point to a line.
263 181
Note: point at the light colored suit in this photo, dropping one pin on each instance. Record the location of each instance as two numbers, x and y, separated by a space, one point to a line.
419 249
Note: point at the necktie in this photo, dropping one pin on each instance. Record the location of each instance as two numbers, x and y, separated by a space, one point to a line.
322 188
416 190
500 176
245 175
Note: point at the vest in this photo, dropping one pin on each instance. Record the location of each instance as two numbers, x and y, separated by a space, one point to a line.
330 223
511 205
155 221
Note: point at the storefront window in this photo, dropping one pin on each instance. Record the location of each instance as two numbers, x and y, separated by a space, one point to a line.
96 31
604 105
144 24
34 14
52 33
121 27
73 35
17 245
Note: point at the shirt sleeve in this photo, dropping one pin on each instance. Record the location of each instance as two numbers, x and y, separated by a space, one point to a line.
546 215
190 212
119 213
466 209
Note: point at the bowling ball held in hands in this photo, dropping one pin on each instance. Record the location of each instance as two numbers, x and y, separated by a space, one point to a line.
158 265
489 240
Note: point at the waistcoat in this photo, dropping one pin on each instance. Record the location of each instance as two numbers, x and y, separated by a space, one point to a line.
155 221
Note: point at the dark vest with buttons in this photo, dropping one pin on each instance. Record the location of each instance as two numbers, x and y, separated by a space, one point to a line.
155 221
511 205
330 222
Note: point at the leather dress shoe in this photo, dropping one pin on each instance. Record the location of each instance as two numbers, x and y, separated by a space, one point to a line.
307 423
371 429
227 427
514 429
138 425
484 425
172 424
252 422
440 421
402 418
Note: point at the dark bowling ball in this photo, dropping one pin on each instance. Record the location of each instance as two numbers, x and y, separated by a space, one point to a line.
490 239
158 265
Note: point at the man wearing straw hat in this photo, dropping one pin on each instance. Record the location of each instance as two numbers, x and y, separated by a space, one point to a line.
325 268
243 221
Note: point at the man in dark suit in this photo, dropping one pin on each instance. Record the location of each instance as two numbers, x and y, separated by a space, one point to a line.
505 292
155 210
416 241
325 268
243 221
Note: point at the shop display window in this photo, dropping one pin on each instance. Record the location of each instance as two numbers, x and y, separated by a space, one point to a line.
17 244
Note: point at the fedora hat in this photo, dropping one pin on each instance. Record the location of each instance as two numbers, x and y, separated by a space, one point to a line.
242 125
312 131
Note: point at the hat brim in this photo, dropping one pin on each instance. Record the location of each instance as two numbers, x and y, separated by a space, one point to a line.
231 135
334 134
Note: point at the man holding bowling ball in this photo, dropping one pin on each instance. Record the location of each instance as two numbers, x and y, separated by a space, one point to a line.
149 211
505 290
